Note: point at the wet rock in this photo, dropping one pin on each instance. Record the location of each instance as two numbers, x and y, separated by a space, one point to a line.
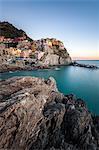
84 65
35 115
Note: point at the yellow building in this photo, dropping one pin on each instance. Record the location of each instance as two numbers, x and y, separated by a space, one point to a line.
12 51
34 47
18 52
49 43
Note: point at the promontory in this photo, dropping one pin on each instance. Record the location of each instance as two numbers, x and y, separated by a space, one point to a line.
18 51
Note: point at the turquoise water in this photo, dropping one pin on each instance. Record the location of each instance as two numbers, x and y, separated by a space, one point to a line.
82 82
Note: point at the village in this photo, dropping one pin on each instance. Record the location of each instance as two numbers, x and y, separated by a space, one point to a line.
21 51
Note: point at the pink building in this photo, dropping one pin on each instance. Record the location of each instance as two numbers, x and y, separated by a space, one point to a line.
1 38
25 54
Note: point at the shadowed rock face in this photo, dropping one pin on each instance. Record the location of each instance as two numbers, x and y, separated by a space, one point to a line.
34 115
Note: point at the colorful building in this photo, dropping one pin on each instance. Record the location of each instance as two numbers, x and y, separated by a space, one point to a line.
34 46
49 42
1 39
25 53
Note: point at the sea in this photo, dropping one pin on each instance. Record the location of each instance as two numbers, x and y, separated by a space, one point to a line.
82 82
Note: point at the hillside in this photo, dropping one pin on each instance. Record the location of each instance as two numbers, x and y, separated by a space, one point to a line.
9 31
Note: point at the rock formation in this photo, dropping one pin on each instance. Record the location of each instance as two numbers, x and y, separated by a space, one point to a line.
84 65
34 115
54 58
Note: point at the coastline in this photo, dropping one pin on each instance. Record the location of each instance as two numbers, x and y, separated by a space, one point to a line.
9 67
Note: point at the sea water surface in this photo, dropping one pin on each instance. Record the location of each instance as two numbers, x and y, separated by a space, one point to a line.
83 82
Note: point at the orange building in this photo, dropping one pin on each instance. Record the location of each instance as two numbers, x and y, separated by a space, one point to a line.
33 47
55 42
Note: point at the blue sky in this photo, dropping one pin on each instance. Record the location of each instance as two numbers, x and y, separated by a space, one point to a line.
74 22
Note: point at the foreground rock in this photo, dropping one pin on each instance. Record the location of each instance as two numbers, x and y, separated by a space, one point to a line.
35 116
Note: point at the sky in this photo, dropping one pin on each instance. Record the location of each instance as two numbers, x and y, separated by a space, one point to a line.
75 22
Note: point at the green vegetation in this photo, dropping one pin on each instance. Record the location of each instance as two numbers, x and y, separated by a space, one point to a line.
9 31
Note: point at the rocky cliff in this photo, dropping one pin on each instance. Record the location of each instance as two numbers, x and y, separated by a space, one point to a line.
55 56
35 116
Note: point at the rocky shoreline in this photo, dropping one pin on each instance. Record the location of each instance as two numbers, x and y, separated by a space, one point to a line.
84 65
9 67
34 115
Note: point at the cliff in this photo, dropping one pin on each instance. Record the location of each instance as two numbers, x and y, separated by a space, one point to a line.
34 115
55 55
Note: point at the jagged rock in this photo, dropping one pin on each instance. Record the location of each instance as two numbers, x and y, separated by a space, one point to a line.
56 56
65 61
84 65
51 59
35 115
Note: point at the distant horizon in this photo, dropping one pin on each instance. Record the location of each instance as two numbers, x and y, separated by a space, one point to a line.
86 59
79 58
